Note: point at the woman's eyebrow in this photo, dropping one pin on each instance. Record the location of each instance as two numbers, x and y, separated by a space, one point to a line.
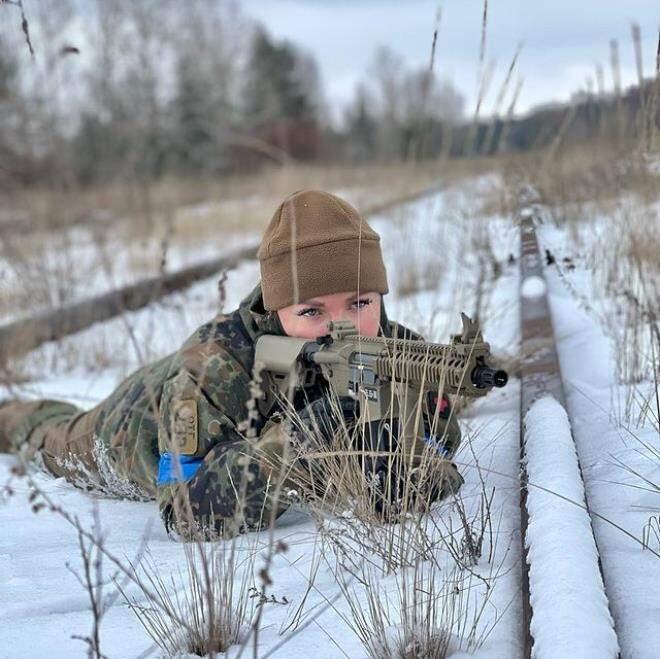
312 303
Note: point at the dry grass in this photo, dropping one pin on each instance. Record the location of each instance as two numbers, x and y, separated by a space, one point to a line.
651 533
366 185
615 232
338 475
203 609
368 494
421 613
406 573
573 178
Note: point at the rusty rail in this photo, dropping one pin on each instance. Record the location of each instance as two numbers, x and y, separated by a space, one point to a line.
21 336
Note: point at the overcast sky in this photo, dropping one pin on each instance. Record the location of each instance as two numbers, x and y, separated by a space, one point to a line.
563 39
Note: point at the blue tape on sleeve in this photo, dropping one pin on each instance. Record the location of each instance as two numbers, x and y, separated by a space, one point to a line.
439 446
176 469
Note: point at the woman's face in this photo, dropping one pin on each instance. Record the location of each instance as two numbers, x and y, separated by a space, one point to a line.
310 319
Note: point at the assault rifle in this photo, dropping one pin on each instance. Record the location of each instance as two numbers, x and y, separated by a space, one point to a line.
388 377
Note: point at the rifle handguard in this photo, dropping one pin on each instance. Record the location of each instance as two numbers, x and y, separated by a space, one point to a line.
353 362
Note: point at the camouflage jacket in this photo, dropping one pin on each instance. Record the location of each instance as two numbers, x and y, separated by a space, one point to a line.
171 430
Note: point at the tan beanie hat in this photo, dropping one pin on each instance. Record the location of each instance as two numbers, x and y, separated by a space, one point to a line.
319 241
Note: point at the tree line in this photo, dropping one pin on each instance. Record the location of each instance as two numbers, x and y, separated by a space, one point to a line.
118 89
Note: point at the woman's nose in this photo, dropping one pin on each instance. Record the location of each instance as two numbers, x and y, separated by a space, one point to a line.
337 316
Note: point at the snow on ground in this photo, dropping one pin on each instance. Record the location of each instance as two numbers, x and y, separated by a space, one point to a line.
437 239
610 449
37 591
557 514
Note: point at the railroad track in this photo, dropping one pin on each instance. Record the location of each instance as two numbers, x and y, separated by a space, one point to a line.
562 577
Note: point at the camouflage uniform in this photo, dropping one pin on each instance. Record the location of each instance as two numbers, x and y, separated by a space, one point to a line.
170 431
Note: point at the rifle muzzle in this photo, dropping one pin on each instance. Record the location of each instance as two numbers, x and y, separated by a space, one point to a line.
485 376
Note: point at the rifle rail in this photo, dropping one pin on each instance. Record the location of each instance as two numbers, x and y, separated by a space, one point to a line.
428 362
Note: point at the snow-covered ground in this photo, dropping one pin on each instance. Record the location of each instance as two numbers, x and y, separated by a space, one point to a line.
42 605
430 232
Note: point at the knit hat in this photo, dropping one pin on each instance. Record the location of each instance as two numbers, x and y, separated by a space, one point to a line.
317 244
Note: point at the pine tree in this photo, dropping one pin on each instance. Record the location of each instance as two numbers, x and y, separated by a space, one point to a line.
361 127
275 89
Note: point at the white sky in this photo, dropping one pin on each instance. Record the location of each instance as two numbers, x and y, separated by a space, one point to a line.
563 40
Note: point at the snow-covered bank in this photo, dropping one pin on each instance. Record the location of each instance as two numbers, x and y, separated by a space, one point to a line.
570 615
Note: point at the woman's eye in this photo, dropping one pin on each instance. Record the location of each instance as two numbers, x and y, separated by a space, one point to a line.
310 312
361 304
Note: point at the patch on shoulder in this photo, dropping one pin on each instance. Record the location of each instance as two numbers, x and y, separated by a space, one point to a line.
184 427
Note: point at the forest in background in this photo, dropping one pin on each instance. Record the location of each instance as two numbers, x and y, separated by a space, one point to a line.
124 91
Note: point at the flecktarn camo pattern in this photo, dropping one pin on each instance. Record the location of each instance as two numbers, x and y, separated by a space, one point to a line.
178 430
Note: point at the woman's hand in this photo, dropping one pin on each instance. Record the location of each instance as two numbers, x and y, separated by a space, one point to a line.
321 420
